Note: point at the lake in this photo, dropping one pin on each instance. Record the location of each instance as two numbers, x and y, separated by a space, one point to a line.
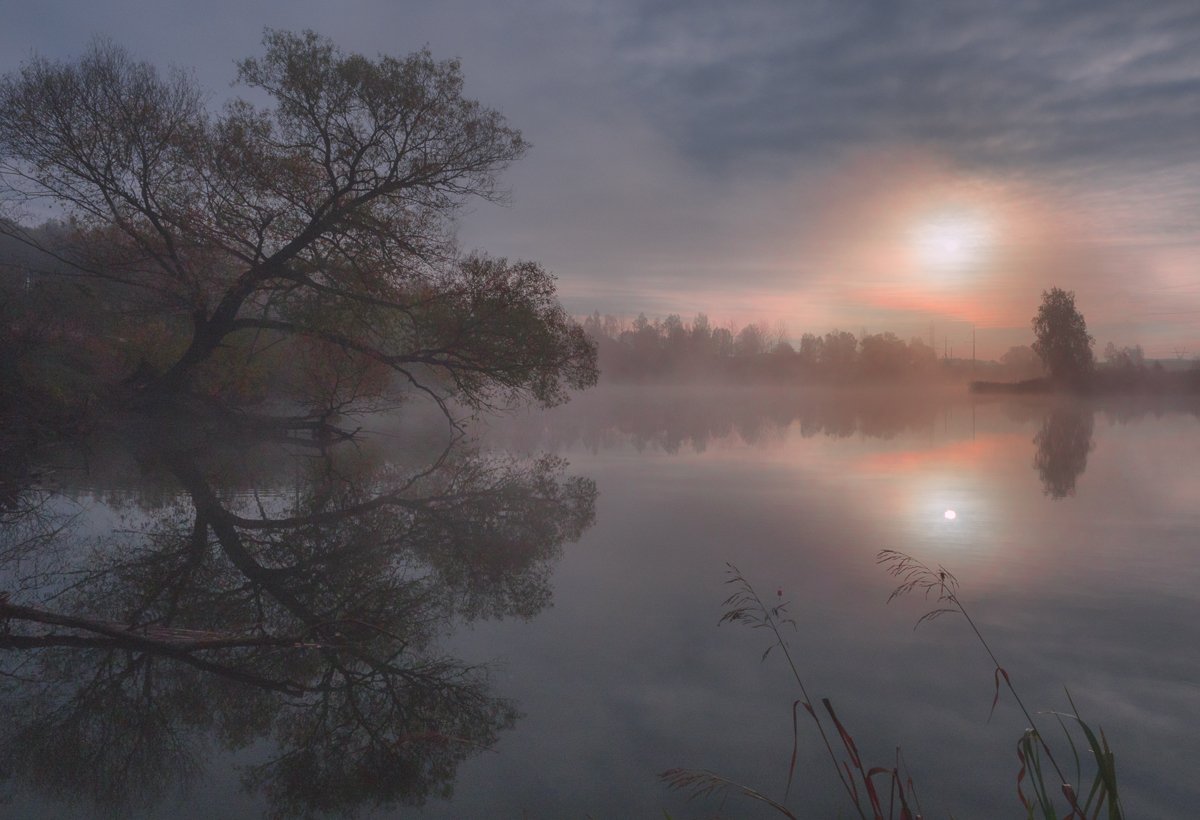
524 638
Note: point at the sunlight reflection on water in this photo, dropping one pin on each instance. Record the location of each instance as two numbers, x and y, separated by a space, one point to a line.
1075 559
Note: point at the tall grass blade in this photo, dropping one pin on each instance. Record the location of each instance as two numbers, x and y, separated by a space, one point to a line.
795 742
996 697
1074 750
702 783
1105 763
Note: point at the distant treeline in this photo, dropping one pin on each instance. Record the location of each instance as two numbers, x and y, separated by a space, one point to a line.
671 349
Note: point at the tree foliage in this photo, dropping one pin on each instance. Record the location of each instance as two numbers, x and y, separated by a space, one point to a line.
1063 342
1020 362
323 218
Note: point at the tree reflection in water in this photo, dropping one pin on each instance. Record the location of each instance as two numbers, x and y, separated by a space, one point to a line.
1063 445
306 614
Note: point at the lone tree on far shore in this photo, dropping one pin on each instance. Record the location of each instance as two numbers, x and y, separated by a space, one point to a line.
1063 342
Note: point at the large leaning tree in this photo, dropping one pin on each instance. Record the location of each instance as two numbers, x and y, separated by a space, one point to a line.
1062 339
315 218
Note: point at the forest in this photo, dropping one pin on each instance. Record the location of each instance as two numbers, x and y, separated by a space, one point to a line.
674 350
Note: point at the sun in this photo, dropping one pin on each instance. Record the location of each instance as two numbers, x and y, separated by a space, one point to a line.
951 241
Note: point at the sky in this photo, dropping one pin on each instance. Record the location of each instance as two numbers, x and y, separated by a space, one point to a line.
912 167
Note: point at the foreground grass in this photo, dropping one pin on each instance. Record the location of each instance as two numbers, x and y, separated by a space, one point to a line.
888 792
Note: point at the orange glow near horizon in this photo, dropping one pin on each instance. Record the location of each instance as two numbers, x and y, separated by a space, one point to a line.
914 237
904 242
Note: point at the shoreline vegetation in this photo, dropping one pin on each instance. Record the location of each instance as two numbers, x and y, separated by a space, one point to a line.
1060 359
1105 381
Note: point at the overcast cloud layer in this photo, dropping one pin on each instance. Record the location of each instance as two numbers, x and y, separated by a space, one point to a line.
733 157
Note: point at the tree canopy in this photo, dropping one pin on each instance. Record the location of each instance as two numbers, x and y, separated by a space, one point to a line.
321 221
1063 342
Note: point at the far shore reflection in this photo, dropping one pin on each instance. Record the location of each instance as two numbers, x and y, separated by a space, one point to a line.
693 419
1063 444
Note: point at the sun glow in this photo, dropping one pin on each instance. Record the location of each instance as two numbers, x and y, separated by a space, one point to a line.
951 242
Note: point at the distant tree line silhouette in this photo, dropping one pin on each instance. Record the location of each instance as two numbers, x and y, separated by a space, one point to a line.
1060 357
672 349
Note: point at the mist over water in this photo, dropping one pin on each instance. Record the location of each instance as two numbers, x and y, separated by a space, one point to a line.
581 602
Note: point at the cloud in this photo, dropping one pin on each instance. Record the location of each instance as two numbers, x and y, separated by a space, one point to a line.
994 83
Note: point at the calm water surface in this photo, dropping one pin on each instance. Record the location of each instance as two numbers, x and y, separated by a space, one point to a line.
1074 538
